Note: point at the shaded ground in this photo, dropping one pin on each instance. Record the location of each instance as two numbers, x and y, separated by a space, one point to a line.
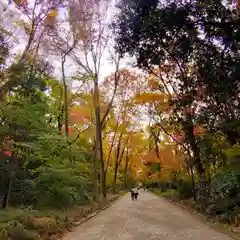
150 217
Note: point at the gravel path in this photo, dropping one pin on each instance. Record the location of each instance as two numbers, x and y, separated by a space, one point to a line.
150 217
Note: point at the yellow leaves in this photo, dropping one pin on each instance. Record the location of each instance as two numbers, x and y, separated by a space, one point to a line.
150 157
51 18
53 13
143 98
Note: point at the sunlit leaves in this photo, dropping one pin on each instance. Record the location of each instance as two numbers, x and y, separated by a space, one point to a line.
143 98
53 13
198 131
21 3
7 146
169 160
152 84
80 115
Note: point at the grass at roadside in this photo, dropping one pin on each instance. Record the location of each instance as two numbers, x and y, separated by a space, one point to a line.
28 224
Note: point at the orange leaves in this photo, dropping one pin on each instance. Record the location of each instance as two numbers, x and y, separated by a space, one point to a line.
150 157
198 131
70 130
143 98
80 114
21 3
152 83
7 147
201 93
169 160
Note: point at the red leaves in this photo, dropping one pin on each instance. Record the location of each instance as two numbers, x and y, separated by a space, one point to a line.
70 130
197 131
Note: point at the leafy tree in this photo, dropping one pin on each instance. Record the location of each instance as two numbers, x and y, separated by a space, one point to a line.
201 48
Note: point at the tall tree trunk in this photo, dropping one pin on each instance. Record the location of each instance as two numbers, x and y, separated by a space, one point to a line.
195 148
99 148
7 193
125 171
65 92
193 185
104 185
8 189
59 118
95 173
115 178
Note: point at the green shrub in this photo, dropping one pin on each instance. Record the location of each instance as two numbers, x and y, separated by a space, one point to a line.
61 187
171 193
226 184
20 233
14 230
54 187
185 189
223 205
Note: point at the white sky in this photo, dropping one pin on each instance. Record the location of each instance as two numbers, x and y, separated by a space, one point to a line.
9 15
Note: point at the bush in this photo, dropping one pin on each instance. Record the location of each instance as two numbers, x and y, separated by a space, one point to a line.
14 230
62 187
171 193
185 189
20 233
226 184
58 187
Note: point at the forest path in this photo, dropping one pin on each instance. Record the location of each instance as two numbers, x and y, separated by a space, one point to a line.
150 217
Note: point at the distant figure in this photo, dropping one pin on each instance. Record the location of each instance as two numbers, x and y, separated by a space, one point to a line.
134 193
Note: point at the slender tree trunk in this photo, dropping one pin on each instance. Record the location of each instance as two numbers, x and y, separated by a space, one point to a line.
193 185
59 118
104 187
125 172
195 149
95 173
65 92
7 193
115 178
99 148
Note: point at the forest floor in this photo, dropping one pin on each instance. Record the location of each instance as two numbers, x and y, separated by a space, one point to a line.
48 223
150 217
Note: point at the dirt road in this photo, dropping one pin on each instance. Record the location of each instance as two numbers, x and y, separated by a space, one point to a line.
150 217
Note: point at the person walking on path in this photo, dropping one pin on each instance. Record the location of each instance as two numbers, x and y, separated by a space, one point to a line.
134 193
